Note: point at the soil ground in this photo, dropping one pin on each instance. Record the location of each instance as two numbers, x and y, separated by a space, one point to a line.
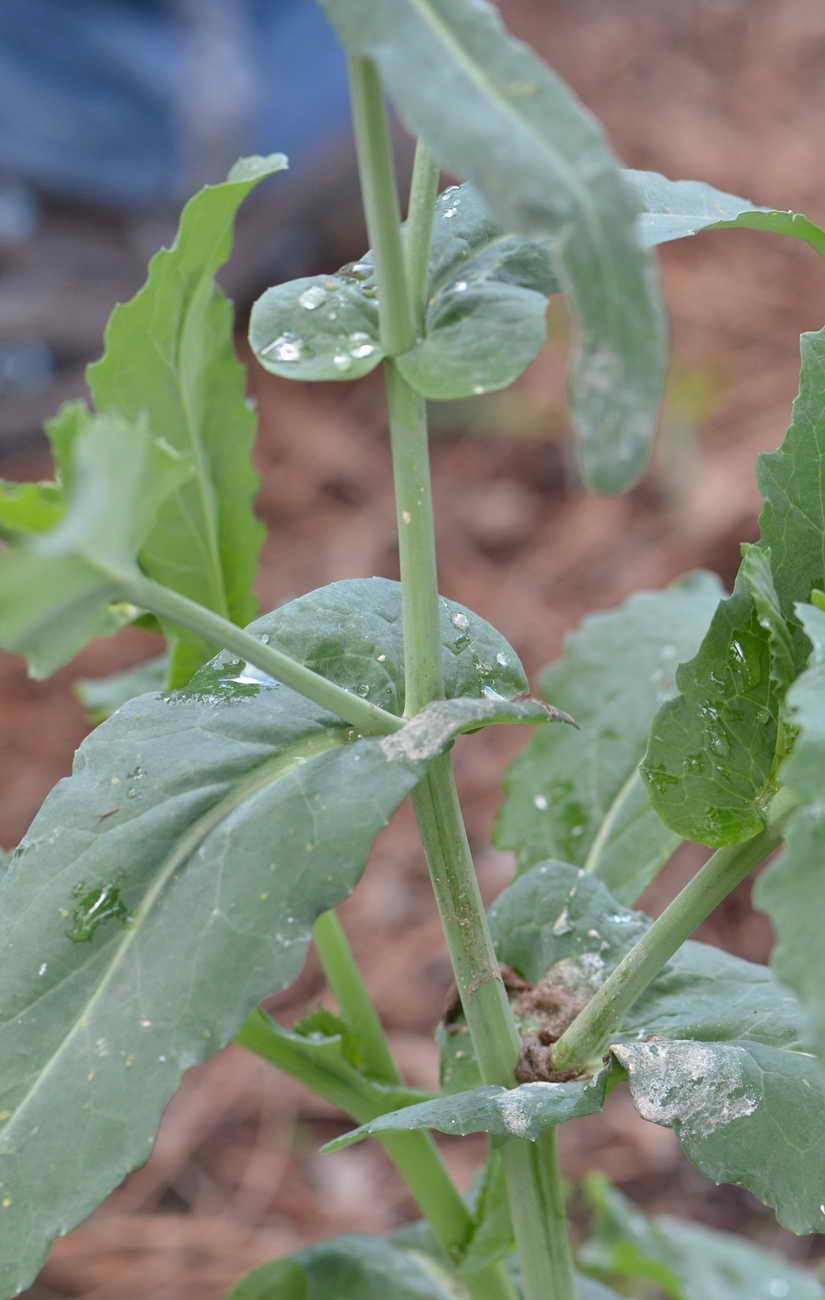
728 91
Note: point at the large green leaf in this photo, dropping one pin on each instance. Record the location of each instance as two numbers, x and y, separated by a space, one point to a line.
483 285
522 1112
687 1260
714 1048
713 751
169 356
56 586
349 1268
492 112
791 889
673 209
173 880
579 795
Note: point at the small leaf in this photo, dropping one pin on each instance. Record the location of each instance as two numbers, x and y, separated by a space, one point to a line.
713 751
349 1268
673 209
170 359
101 696
56 586
320 327
492 112
791 889
29 507
522 1112
173 880
578 795
484 286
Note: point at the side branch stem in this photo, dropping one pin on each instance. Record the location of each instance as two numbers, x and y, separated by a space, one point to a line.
586 1038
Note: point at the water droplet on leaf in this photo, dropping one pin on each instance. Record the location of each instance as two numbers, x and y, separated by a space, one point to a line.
312 298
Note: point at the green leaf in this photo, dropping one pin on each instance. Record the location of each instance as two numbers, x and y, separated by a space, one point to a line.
714 1048
673 209
492 112
101 696
29 507
173 880
522 1112
349 1268
56 587
685 1259
482 285
744 1113
791 888
713 751
169 357
578 795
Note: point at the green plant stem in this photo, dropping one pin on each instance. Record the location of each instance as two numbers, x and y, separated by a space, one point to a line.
348 988
483 996
584 1041
423 678
380 197
540 1221
418 230
368 718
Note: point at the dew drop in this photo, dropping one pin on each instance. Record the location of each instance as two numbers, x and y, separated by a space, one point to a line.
460 620
341 361
363 690
451 210
540 802
478 389
381 658
362 350
44 966
778 1287
312 298
460 286
502 660
286 347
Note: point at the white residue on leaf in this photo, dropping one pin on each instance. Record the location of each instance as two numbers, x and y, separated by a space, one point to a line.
514 1112
693 1087
580 975
431 729
563 924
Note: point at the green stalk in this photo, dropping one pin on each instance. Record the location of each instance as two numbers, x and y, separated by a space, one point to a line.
368 718
493 1032
418 231
380 197
584 1041
355 1003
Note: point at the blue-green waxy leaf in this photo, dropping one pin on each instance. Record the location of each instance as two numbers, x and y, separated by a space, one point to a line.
673 209
170 358
522 1112
492 112
349 1268
715 1048
173 880
685 1260
483 285
791 889
56 586
579 795
713 751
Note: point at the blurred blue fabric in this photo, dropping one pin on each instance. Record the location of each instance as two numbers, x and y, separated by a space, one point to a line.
117 100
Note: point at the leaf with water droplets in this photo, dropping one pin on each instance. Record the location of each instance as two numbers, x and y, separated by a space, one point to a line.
321 327
173 880
792 889
578 795
673 209
728 713
170 358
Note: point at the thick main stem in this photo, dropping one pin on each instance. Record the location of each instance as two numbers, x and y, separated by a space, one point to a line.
495 1040
586 1038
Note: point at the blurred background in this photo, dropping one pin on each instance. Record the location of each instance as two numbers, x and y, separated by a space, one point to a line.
111 114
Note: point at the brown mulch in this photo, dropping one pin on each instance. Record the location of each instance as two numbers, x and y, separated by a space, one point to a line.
724 90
